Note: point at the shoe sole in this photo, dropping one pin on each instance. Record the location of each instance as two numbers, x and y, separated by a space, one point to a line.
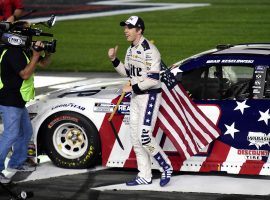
5 182
16 170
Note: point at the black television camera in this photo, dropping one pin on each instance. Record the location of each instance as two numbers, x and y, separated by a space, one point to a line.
20 34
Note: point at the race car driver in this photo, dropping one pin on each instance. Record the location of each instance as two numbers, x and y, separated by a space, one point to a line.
142 66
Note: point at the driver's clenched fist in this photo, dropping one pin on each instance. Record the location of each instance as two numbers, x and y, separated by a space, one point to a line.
112 52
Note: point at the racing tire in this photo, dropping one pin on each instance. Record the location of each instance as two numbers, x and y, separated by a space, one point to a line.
71 140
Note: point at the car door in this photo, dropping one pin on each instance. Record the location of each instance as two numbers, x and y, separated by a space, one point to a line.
242 94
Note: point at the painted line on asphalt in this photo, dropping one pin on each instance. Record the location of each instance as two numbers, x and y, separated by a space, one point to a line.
145 7
46 169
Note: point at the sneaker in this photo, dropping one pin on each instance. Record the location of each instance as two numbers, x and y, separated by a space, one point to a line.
30 162
23 168
4 179
165 177
138 181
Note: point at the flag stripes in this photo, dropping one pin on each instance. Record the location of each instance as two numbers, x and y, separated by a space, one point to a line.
183 122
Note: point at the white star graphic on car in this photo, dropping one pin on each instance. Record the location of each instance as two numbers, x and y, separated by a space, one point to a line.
231 130
265 116
241 106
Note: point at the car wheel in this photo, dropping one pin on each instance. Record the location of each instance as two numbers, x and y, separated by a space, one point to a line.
71 140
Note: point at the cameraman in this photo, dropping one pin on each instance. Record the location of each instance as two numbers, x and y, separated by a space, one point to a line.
17 88
11 10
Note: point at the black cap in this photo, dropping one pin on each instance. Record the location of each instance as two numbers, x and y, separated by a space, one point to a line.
134 21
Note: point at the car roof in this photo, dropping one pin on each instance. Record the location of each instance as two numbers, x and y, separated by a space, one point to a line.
256 53
253 48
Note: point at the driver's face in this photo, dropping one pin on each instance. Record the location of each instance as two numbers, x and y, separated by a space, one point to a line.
132 34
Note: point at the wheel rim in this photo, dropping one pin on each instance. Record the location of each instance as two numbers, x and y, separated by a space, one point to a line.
70 140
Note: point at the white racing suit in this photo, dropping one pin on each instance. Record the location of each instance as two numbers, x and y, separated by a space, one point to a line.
142 65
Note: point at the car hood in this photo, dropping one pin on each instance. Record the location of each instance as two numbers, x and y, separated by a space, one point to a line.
97 88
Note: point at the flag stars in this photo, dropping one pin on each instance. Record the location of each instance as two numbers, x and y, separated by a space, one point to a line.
231 130
149 110
265 116
241 106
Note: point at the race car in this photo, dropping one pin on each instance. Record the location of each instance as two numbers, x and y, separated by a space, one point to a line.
230 84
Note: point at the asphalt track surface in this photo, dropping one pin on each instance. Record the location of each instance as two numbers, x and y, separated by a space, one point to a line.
82 187
45 8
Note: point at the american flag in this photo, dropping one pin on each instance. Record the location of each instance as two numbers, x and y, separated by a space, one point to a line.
182 121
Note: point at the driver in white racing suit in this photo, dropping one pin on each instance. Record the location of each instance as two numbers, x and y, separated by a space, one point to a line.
142 65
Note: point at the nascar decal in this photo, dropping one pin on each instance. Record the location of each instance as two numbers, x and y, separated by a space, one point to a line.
123 107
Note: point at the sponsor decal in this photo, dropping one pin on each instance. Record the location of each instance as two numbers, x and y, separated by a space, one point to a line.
230 61
15 40
64 117
104 107
253 154
259 72
70 105
257 87
260 68
123 108
126 120
148 56
258 76
150 148
134 71
137 58
257 83
258 139
148 63
256 91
